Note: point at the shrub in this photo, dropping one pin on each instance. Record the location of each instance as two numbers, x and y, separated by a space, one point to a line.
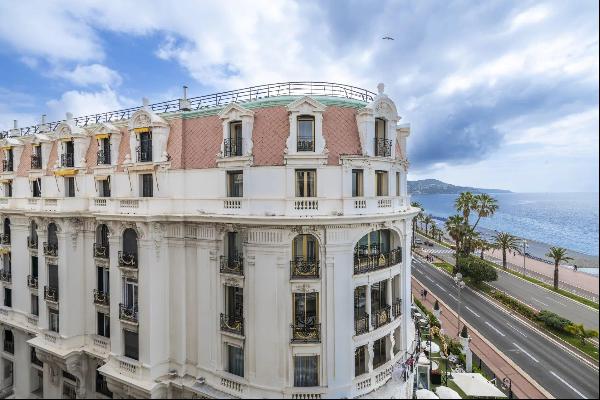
554 321
477 270
515 305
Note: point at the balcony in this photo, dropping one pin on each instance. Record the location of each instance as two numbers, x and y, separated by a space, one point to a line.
32 282
9 346
361 324
143 154
367 261
36 162
128 313
34 359
383 147
381 317
306 333
50 249
128 260
304 268
100 251
232 147
103 157
51 294
32 243
5 238
232 324
305 145
7 165
397 308
232 265
101 298
5 276
67 160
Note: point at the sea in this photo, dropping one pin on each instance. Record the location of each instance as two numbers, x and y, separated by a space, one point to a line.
568 220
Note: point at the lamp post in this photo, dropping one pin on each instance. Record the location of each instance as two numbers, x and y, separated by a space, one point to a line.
459 286
525 245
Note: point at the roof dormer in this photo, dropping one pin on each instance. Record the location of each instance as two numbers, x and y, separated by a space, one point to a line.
11 150
108 138
73 144
306 138
148 136
377 126
238 123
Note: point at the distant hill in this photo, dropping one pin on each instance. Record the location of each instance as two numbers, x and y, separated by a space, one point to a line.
433 186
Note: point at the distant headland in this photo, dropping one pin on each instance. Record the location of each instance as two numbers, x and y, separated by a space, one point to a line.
434 186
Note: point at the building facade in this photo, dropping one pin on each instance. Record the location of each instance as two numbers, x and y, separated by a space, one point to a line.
254 243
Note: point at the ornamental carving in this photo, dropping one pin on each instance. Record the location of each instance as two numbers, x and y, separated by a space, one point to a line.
142 120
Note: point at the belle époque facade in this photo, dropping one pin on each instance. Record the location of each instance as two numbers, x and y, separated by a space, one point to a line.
254 243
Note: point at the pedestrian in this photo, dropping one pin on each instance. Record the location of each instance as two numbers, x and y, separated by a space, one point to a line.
575 267
425 294
422 294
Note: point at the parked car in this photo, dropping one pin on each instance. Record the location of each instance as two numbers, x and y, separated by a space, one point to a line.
418 241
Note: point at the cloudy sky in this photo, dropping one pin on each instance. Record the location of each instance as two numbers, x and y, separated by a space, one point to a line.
499 93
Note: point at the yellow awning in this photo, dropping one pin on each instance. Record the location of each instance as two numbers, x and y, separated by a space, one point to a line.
66 139
102 136
5 180
141 130
101 177
6 147
65 172
4 250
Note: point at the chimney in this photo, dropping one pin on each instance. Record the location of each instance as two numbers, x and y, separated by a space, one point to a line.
184 104
15 131
146 103
69 118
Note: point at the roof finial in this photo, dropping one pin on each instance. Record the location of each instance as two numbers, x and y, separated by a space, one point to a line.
15 124
380 88
185 88
145 102
69 117
43 119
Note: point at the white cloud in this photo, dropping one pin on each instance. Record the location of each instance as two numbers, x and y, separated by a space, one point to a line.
531 16
82 103
94 74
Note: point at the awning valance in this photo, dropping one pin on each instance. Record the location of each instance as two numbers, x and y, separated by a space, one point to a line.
65 172
102 136
6 147
141 130
5 180
101 177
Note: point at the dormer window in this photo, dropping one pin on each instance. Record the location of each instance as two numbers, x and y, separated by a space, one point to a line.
36 157
103 155
233 144
306 133
144 150
7 163
383 146
67 158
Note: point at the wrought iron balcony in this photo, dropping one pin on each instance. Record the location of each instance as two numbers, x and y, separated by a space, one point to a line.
32 281
51 294
101 298
232 147
381 317
305 145
306 333
397 308
36 161
232 324
383 147
50 249
9 346
100 251
128 260
361 324
128 313
7 165
67 160
5 276
143 154
232 265
103 157
304 268
367 261
32 243
34 358
5 238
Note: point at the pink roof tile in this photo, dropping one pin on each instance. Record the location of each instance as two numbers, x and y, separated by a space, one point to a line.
175 143
25 162
340 132
52 157
201 142
90 155
271 130
123 148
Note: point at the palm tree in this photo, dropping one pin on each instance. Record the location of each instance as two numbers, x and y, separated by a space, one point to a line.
464 203
558 254
434 229
485 206
505 241
414 221
427 220
455 227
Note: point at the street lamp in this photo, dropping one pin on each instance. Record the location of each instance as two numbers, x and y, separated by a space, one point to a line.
525 245
459 286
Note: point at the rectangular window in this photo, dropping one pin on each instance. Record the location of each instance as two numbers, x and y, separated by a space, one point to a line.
306 183
104 187
357 183
306 133
69 187
36 157
235 360
397 183
36 187
306 309
233 246
34 266
306 371
53 276
103 279
234 301
360 301
145 149
146 185
131 344
35 305
7 189
381 183
233 146
235 184
104 151
378 296
379 352
130 294
360 360
103 325
53 320
7 297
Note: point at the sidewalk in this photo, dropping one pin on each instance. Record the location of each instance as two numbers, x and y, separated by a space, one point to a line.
522 387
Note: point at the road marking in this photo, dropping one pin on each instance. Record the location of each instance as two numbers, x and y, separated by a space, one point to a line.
525 352
473 312
536 300
428 278
441 288
556 301
455 299
494 328
516 330
568 384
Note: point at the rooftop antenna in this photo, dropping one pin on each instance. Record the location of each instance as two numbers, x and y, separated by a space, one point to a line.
184 104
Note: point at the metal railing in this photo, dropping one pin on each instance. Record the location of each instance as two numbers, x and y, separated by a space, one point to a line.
66 160
304 268
365 261
383 147
128 313
381 317
34 358
32 243
51 294
143 154
232 265
5 238
102 157
306 333
397 308
305 145
36 161
232 147
361 324
252 93
101 298
232 324
128 260
5 276
7 165
100 251
50 249
32 282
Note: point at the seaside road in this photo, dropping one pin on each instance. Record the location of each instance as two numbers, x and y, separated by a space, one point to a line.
560 372
534 295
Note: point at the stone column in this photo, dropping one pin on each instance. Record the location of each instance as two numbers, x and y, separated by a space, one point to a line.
116 288
368 305
22 366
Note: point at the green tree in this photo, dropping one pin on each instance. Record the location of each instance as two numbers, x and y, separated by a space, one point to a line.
559 254
580 331
484 206
477 270
414 221
455 227
505 242
434 229
427 220
464 203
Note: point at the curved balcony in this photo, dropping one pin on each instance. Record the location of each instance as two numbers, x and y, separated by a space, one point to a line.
232 265
32 243
381 317
365 261
232 324
100 251
101 298
306 333
50 249
361 324
128 260
51 294
128 313
32 282
304 268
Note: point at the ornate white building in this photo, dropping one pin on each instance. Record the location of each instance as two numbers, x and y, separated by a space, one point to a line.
254 243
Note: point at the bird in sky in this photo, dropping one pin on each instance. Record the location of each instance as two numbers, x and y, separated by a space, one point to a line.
387 38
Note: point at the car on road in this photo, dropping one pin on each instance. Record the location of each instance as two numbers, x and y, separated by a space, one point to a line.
418 241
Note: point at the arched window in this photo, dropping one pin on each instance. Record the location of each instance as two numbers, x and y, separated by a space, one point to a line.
377 249
128 257
305 257
101 244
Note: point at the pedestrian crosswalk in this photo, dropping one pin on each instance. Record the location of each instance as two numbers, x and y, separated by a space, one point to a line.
439 251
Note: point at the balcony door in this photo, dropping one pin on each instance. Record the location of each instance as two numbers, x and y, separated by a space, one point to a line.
53 276
130 294
306 248
234 245
103 280
145 146
378 295
306 309
234 301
